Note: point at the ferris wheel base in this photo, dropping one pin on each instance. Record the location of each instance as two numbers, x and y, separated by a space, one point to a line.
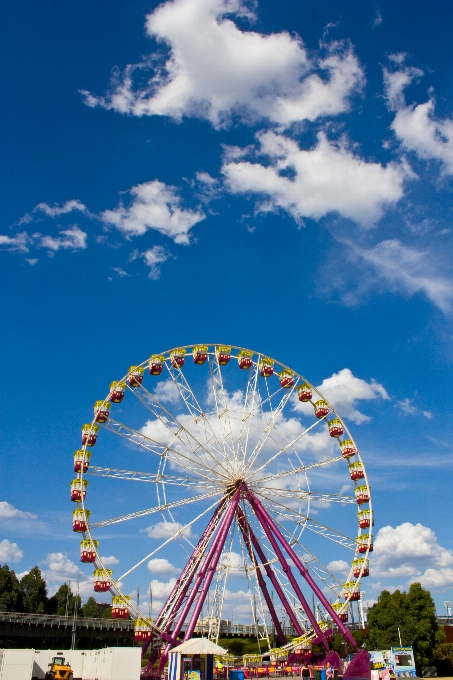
359 668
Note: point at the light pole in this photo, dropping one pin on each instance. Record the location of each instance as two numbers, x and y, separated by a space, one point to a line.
448 608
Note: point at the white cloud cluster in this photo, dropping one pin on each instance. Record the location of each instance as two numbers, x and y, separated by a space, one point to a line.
156 206
313 183
410 270
215 71
167 392
409 409
343 390
153 257
412 551
72 238
110 561
167 529
69 239
10 552
159 565
55 210
416 126
9 512
19 242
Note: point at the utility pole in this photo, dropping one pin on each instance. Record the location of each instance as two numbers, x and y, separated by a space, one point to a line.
74 618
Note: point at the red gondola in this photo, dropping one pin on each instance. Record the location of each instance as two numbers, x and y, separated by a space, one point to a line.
304 392
117 390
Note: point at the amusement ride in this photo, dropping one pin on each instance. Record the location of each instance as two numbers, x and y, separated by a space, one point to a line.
244 459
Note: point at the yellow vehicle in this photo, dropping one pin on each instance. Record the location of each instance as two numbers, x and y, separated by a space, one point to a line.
59 670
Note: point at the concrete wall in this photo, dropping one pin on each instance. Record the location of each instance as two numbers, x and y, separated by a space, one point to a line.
16 664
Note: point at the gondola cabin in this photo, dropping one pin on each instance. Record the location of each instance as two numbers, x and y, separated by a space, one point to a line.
120 608
304 392
80 519
135 376
78 490
266 367
81 460
88 550
351 591
245 359
342 615
286 378
360 567
321 408
347 448
142 630
117 390
200 354
365 543
89 434
223 353
177 357
156 364
362 494
356 471
101 411
335 427
102 580
365 518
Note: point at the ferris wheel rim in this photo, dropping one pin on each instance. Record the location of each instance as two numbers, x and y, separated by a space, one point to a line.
258 355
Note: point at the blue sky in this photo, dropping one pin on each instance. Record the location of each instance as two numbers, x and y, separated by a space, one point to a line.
274 176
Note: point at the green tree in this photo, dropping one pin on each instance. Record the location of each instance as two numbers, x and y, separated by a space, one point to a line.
10 591
63 602
107 613
410 615
34 592
90 609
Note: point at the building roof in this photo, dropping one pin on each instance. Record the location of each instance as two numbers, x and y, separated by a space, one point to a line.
199 646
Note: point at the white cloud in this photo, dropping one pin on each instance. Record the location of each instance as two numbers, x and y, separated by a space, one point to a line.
406 406
159 565
60 568
412 551
19 242
416 126
55 211
326 179
31 260
167 391
9 512
214 70
10 552
343 390
109 561
161 589
72 238
153 258
339 565
166 529
404 268
121 273
154 205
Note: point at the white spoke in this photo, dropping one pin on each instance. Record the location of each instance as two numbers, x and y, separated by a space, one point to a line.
311 524
249 407
112 473
172 424
199 417
221 403
316 495
302 468
151 511
270 426
285 448
169 540
161 450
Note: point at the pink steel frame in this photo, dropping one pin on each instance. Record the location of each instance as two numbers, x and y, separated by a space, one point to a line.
184 593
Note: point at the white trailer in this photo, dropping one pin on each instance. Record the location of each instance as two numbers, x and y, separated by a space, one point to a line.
16 664
43 657
113 663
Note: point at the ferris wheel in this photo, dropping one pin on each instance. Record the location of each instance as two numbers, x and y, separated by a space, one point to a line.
254 480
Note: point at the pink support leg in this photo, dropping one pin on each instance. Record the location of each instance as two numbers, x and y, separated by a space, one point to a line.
285 566
261 513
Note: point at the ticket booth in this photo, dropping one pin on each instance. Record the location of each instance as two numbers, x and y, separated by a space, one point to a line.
194 660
